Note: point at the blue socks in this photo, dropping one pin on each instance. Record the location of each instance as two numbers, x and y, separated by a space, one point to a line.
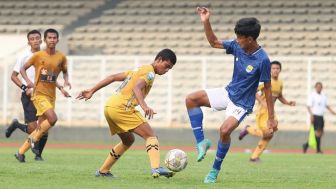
222 149
196 119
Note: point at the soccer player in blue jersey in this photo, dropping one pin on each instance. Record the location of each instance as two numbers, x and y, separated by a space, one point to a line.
251 66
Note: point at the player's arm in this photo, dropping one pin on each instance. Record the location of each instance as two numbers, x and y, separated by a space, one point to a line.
331 110
137 90
65 74
309 105
283 100
63 91
87 94
210 35
15 79
23 73
270 106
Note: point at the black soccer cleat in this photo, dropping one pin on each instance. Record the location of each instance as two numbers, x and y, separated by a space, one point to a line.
38 158
11 128
20 157
108 174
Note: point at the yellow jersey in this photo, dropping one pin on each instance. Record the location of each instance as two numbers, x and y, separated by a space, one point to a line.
277 86
47 69
124 97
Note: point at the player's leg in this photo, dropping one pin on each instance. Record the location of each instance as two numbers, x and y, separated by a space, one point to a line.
152 148
194 101
127 139
318 126
262 144
235 116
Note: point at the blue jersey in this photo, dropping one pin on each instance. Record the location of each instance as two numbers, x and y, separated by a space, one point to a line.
248 71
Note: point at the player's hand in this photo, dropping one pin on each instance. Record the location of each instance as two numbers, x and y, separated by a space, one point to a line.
204 13
149 112
65 93
292 103
67 84
29 91
273 124
86 94
30 84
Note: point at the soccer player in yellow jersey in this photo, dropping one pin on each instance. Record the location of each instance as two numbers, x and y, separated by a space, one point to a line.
48 64
261 130
122 117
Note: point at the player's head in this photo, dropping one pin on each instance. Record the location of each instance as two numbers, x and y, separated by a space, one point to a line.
318 87
275 68
34 39
247 31
51 38
164 61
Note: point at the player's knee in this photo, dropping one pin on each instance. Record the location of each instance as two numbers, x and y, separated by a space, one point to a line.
191 100
225 132
52 121
129 141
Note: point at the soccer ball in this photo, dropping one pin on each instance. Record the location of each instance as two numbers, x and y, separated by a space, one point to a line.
176 160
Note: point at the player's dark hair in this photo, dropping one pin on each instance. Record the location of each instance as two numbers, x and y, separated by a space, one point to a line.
318 83
277 63
248 27
33 32
50 31
167 54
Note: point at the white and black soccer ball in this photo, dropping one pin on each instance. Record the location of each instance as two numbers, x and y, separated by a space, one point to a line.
176 160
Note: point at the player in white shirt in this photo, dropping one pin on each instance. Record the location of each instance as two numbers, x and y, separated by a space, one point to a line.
317 103
34 41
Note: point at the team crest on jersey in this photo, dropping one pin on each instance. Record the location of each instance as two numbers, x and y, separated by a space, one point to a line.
150 76
249 68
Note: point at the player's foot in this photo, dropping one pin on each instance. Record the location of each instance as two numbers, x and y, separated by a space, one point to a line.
20 157
11 128
108 174
255 160
38 158
319 152
202 149
212 176
161 172
34 146
243 132
305 148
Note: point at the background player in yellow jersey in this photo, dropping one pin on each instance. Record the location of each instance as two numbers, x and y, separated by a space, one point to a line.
48 64
261 130
124 119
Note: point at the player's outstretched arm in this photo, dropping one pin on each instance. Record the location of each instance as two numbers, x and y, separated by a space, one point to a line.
331 110
204 13
137 90
272 123
283 100
23 73
87 94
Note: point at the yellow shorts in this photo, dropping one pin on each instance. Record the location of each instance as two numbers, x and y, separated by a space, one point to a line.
262 118
121 121
42 104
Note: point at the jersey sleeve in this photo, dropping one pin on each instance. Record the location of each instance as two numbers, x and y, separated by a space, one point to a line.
148 76
310 101
265 70
18 65
32 60
229 46
65 63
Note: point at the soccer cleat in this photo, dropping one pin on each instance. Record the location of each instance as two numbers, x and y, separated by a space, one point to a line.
243 132
202 149
20 157
305 148
108 174
11 128
212 176
34 146
38 158
156 172
256 160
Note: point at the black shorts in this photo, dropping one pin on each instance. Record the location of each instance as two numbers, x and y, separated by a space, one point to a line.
28 108
318 122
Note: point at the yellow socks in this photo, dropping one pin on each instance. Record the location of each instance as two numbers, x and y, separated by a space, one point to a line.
114 155
255 131
35 135
260 148
152 147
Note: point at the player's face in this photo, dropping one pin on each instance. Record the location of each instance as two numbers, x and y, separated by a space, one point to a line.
318 88
163 66
275 70
244 41
34 40
51 40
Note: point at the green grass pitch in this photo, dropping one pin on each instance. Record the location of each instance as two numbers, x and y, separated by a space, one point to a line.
64 168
